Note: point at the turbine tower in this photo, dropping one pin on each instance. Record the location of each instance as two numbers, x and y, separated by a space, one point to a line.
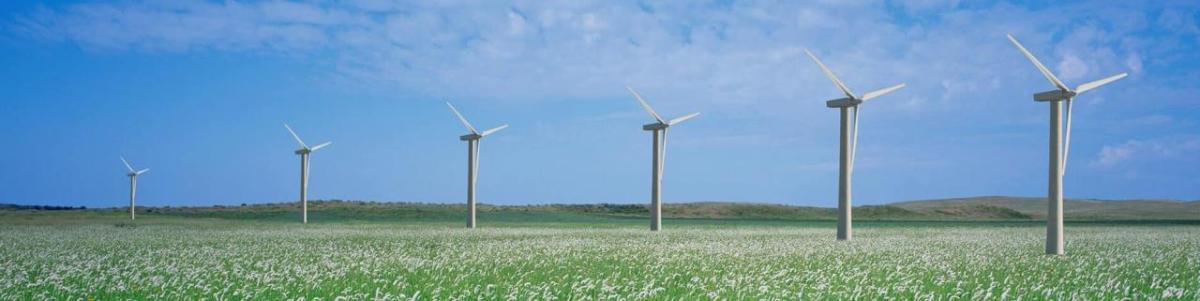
472 140
1058 147
132 186
659 127
849 143
304 153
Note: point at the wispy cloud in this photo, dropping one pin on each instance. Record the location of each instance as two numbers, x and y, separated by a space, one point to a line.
1116 155
724 55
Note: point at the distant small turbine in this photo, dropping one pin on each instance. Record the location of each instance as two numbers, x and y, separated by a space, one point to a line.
659 127
1058 163
849 145
472 140
304 152
132 187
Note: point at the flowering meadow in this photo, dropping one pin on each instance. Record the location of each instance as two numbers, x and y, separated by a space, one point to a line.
215 259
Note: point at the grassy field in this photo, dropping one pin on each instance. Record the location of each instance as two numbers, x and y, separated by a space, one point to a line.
243 254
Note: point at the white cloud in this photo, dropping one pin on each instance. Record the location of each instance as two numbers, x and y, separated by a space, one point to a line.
1111 156
186 26
516 23
703 55
1072 68
740 62
1134 62
923 6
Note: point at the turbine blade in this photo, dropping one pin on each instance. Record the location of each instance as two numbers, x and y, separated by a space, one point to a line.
130 167
463 119
682 119
475 169
854 141
1098 83
493 130
1066 140
829 73
140 172
645 105
295 136
1038 64
319 146
881 92
662 161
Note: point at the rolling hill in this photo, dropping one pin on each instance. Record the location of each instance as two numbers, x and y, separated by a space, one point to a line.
954 209
1081 209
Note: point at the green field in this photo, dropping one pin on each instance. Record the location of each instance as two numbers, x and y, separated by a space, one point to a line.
548 254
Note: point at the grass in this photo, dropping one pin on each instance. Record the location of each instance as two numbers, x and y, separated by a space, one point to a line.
551 254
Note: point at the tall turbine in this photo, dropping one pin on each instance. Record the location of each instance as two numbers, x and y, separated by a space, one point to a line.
1058 147
304 152
659 127
132 186
849 143
472 140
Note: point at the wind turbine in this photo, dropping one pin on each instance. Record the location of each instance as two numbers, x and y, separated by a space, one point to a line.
472 140
1058 148
132 186
849 143
659 127
304 152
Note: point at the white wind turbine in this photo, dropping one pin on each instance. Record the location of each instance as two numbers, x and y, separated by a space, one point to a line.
849 143
472 140
304 153
133 174
659 127
1058 148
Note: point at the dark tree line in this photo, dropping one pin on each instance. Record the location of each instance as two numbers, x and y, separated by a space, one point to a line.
39 207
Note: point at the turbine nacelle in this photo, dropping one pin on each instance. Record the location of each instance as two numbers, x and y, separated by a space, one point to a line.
477 136
844 102
1053 95
664 125
655 126
307 150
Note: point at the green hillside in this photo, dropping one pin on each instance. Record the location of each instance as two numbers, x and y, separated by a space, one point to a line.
1080 209
994 208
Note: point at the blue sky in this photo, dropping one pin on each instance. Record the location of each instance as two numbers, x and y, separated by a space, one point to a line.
198 91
